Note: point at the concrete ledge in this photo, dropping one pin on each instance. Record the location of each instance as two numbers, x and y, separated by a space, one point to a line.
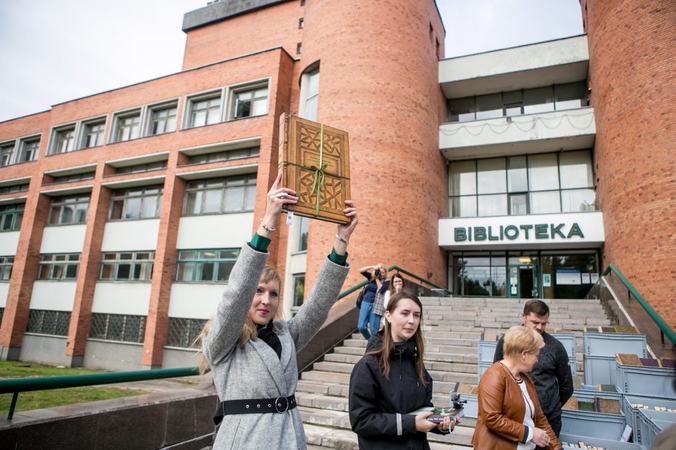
177 420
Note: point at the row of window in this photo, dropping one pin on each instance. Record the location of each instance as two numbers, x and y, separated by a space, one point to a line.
521 185
212 265
514 103
224 104
213 196
182 332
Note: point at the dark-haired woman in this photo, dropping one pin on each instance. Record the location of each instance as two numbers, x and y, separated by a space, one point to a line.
391 381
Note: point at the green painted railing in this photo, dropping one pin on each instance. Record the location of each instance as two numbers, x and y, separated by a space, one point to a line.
662 325
16 385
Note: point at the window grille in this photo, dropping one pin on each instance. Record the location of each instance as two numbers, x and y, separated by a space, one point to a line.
48 322
118 327
183 332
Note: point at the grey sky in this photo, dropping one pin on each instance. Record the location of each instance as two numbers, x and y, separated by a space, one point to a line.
54 51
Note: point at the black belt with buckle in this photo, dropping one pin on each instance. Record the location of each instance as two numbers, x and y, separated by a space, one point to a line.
254 406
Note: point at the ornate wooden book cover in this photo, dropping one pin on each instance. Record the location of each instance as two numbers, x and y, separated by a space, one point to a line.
315 161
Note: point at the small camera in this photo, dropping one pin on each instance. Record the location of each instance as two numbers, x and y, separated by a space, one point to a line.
377 272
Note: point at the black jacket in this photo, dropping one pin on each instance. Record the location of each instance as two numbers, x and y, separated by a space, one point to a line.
379 407
551 375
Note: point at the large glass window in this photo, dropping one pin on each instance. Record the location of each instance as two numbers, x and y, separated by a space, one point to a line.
68 210
519 185
127 266
136 203
513 103
212 265
303 229
59 266
220 195
312 94
10 217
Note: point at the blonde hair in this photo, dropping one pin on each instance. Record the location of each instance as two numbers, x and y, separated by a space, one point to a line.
249 328
519 339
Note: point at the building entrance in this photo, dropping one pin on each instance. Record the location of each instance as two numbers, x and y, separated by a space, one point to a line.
529 274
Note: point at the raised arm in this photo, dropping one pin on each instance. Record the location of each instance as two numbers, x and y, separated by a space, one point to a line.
226 327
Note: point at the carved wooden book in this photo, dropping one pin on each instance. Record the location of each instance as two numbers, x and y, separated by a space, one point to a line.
315 162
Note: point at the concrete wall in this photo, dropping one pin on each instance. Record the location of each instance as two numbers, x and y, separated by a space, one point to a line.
113 356
45 349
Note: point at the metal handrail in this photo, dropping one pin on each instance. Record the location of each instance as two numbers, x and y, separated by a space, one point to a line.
16 385
662 325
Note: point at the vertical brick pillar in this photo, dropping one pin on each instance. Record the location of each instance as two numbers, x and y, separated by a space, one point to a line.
164 269
88 274
24 272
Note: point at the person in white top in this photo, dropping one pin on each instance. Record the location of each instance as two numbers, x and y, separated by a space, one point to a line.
397 283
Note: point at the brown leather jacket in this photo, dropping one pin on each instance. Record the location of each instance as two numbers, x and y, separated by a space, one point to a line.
499 425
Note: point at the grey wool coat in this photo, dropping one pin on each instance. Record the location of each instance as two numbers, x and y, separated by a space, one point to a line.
254 371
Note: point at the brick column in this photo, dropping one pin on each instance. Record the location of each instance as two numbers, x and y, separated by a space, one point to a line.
164 269
24 273
88 274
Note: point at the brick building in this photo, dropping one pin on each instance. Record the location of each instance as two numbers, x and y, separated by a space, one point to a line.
123 212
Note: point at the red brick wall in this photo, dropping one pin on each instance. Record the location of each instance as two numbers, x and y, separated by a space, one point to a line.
632 75
379 82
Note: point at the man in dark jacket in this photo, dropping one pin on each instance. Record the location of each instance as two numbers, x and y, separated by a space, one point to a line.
551 374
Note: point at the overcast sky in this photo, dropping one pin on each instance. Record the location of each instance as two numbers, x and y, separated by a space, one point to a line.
52 51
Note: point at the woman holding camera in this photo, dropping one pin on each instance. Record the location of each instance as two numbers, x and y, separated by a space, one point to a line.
371 310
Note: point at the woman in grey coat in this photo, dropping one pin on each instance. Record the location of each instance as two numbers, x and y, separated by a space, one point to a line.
252 354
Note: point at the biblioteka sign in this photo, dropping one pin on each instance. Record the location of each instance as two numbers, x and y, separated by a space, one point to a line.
540 231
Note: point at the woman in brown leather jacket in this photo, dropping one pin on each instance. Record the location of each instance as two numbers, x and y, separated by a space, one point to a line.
510 417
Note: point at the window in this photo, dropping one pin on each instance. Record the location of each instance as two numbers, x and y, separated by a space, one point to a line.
10 217
127 126
310 92
68 210
184 332
298 289
63 140
59 266
220 195
48 322
226 155
6 151
136 203
74 177
206 265
93 134
249 102
138 168
29 150
6 264
205 110
518 185
118 327
163 120
303 227
13 189
127 266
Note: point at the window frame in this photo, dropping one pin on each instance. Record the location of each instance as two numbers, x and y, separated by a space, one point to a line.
6 266
191 268
249 88
192 100
125 195
56 146
85 133
7 148
117 133
16 210
24 143
159 108
62 203
200 194
58 269
115 260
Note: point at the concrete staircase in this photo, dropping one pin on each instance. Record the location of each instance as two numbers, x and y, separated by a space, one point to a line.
453 327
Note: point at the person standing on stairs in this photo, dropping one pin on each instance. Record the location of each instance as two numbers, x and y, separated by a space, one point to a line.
252 353
551 374
371 309
390 381
509 413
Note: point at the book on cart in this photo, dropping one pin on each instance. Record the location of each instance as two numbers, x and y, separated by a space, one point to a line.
315 161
